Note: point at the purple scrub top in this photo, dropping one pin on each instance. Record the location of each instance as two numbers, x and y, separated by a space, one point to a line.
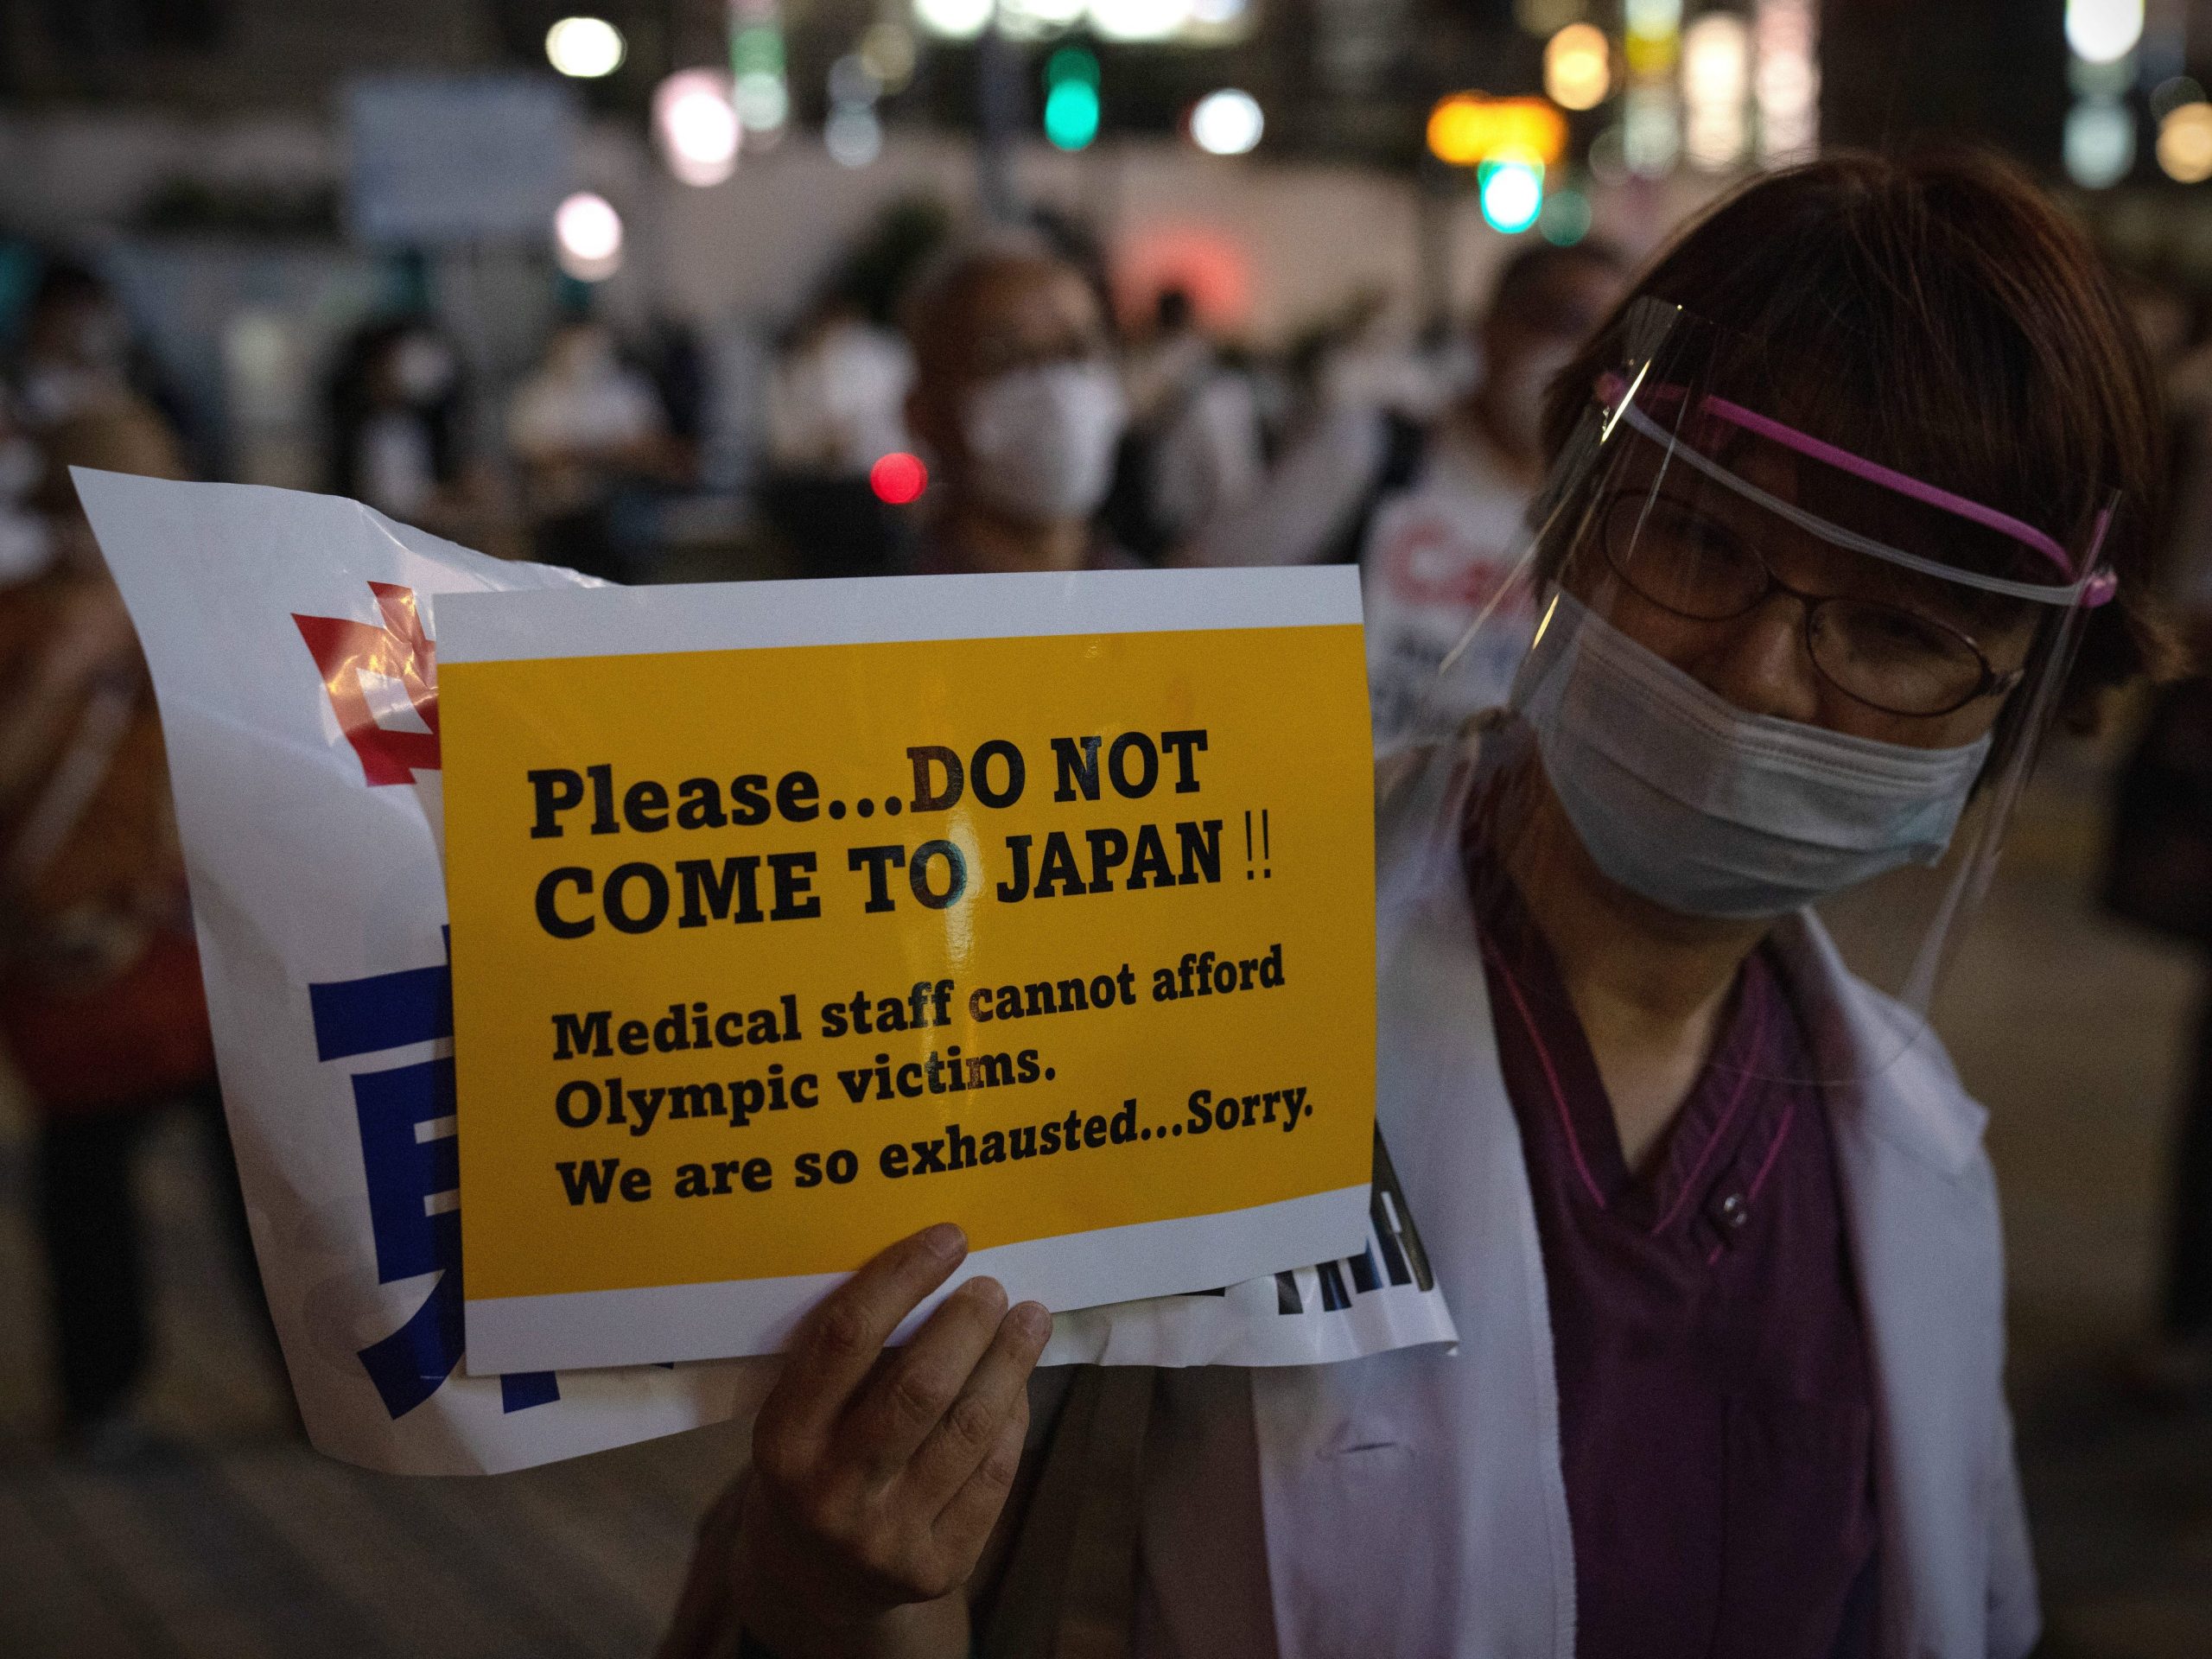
1716 1395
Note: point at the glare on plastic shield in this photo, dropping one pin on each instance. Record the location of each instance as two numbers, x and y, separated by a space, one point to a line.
1791 666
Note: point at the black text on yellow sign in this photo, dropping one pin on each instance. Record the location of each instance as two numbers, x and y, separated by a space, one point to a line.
766 957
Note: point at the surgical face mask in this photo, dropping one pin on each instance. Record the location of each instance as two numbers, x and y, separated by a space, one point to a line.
1688 801
1041 440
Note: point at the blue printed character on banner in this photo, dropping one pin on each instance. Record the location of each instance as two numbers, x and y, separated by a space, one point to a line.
405 1115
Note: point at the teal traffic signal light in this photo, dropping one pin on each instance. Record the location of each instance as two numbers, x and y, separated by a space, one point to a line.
1512 193
1072 98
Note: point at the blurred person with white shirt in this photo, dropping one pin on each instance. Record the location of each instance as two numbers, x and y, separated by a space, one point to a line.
1439 547
582 426
1434 512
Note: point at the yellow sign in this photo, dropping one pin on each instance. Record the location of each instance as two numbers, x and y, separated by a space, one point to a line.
764 957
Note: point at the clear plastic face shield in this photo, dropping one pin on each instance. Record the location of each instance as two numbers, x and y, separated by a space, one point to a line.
1776 698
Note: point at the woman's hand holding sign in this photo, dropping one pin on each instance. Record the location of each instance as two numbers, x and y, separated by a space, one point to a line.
879 1474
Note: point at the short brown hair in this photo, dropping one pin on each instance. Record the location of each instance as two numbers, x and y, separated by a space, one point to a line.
1938 315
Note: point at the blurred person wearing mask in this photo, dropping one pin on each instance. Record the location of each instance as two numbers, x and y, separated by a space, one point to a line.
1433 511
586 427
101 1011
76 351
102 1014
1820 564
1017 403
395 422
1451 512
75 397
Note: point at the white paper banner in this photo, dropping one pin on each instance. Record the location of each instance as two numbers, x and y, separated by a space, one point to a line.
286 636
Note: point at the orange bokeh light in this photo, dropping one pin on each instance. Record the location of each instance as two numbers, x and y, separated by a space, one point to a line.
1467 128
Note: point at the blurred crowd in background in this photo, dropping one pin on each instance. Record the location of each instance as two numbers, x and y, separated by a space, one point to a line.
655 453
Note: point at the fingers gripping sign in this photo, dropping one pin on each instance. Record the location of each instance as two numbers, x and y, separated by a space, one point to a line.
878 1473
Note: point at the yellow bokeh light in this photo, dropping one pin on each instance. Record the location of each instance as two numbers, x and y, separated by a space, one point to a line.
1578 66
1455 130
1466 128
2185 143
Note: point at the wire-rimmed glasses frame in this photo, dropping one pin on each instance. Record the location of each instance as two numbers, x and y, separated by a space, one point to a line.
1947 642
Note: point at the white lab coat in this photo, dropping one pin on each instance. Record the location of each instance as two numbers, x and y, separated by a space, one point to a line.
1413 1503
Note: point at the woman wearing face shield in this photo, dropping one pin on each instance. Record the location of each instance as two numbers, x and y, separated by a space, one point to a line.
1845 508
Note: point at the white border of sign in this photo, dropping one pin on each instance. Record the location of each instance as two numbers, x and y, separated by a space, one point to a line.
884 610
711 1321
1155 1258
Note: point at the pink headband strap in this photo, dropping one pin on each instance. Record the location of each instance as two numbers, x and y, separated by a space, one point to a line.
2099 588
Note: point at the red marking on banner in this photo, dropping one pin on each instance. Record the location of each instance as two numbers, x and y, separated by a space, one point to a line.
344 650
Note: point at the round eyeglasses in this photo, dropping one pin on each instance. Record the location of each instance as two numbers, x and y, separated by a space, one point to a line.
1889 656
